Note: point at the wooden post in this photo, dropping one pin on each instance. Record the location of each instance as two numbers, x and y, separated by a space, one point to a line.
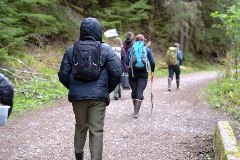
228 64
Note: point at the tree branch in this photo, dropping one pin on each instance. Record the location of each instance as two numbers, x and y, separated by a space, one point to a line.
23 64
35 73
22 78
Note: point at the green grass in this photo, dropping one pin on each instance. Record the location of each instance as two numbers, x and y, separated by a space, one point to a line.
36 94
224 94
40 85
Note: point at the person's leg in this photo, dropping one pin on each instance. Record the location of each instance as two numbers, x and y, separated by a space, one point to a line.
138 103
141 85
133 85
119 91
96 114
170 76
115 93
177 72
80 109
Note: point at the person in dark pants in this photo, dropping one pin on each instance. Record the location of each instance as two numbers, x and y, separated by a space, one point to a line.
90 98
138 79
120 52
175 69
6 92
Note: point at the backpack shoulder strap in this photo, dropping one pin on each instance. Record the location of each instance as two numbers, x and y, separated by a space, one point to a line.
177 56
145 50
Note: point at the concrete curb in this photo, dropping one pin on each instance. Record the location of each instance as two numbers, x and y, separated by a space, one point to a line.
225 145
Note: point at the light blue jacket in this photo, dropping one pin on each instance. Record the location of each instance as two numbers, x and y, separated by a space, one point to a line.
180 57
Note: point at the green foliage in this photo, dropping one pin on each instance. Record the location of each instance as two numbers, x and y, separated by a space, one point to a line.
197 63
120 13
33 22
37 93
162 21
9 28
224 94
139 9
39 2
36 82
3 55
8 33
230 22
182 23
214 40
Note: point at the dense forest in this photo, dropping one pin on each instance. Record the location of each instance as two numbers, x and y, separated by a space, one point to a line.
26 23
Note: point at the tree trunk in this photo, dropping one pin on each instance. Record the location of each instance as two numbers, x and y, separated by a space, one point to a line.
151 22
181 41
186 41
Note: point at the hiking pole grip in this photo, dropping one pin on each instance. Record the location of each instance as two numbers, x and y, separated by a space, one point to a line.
152 77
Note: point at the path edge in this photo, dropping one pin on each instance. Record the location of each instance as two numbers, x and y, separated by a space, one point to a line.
224 143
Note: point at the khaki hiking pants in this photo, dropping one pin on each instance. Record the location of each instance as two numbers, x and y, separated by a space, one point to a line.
89 114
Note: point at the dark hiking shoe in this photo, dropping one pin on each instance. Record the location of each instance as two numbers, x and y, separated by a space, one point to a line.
79 156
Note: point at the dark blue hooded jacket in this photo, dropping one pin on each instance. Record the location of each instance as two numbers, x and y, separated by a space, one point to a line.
110 77
6 92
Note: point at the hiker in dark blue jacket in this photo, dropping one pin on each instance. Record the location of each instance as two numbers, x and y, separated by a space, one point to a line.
6 93
175 68
128 44
90 98
138 79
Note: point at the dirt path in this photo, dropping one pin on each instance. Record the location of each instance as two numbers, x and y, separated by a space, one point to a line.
179 128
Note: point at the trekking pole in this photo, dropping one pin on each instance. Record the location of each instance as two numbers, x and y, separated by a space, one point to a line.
152 91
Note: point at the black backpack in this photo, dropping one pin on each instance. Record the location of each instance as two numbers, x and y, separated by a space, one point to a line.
87 56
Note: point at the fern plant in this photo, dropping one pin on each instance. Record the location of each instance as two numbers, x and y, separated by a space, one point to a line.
124 15
31 22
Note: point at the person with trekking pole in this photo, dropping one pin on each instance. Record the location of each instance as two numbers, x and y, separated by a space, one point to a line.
138 58
90 70
174 60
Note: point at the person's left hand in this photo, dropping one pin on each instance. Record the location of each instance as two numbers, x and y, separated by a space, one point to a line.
149 44
152 77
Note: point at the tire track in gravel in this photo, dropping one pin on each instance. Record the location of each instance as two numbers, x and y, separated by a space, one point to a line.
175 130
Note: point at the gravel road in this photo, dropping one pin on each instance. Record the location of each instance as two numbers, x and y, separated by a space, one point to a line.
179 128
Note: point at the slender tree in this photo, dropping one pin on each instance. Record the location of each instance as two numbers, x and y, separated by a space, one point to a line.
230 22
